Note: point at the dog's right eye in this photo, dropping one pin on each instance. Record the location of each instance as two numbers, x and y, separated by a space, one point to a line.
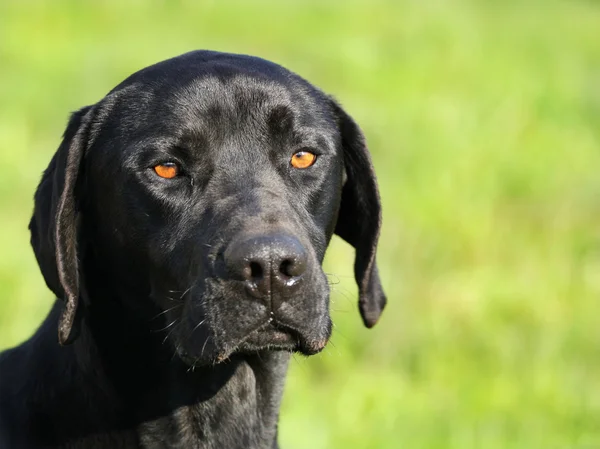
167 170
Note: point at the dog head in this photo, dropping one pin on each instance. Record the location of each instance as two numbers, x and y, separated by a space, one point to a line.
208 187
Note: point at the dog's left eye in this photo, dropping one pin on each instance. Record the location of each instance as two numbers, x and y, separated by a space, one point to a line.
303 159
167 170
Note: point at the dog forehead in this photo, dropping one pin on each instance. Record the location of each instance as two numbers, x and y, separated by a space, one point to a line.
237 97
205 83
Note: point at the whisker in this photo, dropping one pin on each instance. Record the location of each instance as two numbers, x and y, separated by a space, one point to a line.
169 334
204 346
342 292
336 329
334 347
166 311
196 327
344 276
167 327
301 365
336 310
186 291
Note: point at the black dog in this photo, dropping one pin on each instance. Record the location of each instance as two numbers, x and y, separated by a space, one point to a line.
182 223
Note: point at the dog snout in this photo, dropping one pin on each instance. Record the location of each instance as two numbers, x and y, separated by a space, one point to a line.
272 266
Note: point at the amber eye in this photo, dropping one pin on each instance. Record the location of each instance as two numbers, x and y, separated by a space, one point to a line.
303 159
167 170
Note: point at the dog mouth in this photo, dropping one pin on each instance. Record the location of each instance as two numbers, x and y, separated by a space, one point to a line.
271 335
275 335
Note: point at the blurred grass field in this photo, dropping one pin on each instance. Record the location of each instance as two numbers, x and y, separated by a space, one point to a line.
483 119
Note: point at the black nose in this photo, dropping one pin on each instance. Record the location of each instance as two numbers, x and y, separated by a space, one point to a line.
271 265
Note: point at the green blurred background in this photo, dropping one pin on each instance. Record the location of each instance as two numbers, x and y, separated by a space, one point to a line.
483 119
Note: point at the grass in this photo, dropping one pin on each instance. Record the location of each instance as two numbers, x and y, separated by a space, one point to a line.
484 123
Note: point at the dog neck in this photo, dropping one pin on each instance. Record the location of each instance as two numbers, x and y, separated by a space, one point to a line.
134 382
242 412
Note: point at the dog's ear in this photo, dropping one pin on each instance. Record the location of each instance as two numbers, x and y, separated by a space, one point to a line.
359 219
54 225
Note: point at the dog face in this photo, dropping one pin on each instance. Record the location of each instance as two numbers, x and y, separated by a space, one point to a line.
208 187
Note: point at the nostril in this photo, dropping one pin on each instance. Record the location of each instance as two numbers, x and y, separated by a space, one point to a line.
291 268
286 268
256 271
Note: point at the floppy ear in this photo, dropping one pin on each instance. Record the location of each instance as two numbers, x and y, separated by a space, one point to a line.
54 225
359 219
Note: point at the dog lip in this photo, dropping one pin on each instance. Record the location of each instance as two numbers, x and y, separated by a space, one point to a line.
275 336
307 347
280 334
